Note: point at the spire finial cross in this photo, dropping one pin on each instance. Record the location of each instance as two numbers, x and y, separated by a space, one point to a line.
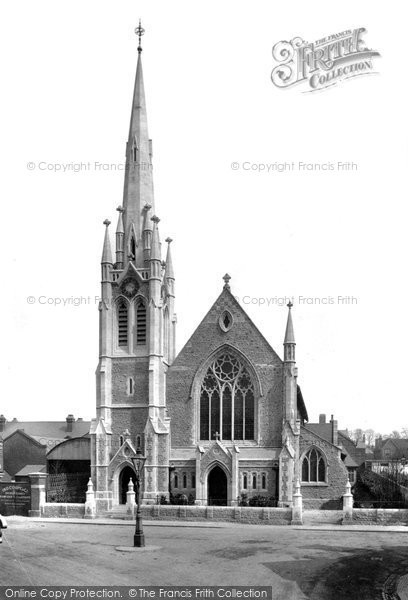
226 279
139 31
107 222
217 436
289 305
169 240
120 209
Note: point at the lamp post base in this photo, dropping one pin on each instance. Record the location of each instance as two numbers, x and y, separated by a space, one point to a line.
138 540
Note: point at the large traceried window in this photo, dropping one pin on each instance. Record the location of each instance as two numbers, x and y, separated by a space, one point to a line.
313 467
227 401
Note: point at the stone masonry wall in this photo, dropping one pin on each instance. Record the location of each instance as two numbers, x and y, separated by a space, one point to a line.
122 369
321 495
207 338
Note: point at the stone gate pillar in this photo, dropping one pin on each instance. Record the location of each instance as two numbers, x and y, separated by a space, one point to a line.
38 496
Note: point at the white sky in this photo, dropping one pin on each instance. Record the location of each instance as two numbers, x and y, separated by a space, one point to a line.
68 72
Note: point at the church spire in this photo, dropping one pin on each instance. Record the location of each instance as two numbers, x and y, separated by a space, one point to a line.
138 188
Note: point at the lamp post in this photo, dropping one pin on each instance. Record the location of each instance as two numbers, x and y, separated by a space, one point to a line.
138 463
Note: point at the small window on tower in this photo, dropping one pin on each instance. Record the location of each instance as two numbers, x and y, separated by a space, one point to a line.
254 481
131 386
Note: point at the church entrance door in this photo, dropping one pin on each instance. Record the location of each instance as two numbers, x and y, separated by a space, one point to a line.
125 476
217 487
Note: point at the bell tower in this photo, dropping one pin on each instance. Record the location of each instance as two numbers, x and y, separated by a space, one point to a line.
136 328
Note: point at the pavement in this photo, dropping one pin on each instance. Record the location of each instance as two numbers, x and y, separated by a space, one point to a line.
316 562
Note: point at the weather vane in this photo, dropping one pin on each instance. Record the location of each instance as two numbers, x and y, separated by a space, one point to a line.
139 31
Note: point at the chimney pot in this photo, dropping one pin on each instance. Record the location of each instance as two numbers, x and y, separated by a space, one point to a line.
322 419
2 423
70 420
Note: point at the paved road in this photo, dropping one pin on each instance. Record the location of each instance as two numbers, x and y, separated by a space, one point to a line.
298 564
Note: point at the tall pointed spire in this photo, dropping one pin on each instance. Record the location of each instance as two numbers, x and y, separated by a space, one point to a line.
138 187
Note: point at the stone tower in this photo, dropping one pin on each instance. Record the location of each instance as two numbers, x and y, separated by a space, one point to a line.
136 330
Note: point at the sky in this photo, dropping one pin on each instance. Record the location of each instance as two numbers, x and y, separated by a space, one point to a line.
303 233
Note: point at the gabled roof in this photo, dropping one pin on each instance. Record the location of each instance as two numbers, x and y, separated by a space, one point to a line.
400 443
31 469
6 477
226 294
320 437
42 431
323 430
22 433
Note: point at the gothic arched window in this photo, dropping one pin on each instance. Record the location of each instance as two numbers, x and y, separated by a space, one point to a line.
122 312
313 467
227 401
141 322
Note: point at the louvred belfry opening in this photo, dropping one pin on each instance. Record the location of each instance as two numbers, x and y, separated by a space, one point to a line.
122 323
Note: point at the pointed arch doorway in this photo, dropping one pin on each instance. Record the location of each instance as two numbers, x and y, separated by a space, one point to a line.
217 487
125 476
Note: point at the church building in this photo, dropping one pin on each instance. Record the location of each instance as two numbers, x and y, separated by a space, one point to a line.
221 422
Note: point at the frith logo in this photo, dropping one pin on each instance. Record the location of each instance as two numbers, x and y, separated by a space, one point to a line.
322 63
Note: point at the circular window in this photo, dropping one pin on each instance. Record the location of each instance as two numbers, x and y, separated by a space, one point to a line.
226 321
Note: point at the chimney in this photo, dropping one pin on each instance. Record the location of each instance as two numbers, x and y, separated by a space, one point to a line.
322 419
335 437
3 422
70 421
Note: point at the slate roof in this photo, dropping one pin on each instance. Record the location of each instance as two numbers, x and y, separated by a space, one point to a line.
400 443
6 477
47 430
31 469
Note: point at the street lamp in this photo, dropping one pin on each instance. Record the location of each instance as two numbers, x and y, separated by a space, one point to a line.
138 463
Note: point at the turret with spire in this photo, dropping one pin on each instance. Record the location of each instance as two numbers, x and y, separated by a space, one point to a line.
290 370
289 343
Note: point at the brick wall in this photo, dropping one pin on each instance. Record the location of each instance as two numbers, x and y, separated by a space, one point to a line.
207 338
